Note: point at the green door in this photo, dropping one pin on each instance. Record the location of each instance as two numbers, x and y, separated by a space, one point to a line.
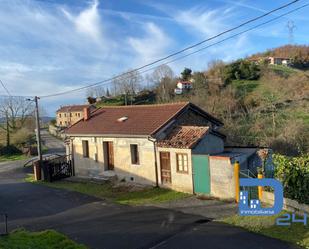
201 175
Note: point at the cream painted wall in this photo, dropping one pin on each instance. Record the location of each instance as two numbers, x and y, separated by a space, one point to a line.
180 181
143 173
222 182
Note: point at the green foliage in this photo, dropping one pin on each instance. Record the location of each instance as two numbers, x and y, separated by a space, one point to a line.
293 172
186 74
241 70
48 239
9 150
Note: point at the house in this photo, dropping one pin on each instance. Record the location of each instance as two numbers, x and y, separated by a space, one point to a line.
148 144
68 115
279 61
183 86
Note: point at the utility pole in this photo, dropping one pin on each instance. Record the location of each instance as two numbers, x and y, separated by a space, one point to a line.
38 132
7 129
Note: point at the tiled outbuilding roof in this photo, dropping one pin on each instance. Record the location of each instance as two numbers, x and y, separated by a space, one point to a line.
183 137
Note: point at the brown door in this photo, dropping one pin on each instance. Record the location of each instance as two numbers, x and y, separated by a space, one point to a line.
165 163
109 154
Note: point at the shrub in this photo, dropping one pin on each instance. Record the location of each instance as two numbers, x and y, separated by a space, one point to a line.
23 137
9 150
293 172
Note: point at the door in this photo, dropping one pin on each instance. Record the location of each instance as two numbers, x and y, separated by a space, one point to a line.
165 163
201 174
109 155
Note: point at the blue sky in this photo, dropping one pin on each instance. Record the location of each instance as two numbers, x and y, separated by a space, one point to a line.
52 46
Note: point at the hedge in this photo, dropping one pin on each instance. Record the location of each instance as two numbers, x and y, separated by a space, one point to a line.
293 172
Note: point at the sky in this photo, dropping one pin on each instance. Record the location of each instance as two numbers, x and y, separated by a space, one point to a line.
50 46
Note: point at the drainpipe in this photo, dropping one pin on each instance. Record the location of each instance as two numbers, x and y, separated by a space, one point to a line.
151 139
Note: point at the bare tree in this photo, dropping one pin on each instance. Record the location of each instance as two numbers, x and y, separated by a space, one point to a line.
94 92
14 111
128 84
162 77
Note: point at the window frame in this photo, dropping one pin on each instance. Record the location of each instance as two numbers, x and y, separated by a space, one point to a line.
85 146
134 154
182 155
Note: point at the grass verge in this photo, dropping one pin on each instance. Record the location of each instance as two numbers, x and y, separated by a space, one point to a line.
297 233
120 195
48 239
13 157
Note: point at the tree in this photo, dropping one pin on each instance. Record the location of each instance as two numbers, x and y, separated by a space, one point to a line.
97 91
162 77
107 93
186 74
14 111
128 84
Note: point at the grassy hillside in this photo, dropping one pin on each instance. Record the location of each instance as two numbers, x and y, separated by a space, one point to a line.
260 105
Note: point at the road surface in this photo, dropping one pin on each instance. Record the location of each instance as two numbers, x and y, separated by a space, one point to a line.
54 145
101 224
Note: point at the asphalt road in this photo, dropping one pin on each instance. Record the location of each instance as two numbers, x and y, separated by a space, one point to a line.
100 224
54 145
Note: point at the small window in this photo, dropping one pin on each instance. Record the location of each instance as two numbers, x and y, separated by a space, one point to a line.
78 114
134 154
182 163
60 122
85 148
70 114
65 115
59 115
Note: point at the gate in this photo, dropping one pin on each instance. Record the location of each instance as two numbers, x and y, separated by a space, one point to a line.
57 168
201 174
252 190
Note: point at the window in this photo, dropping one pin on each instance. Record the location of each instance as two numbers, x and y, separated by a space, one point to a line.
182 163
70 114
60 122
59 115
134 154
85 148
79 114
65 115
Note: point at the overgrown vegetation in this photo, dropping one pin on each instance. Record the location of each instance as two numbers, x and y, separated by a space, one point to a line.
48 239
294 175
297 233
119 194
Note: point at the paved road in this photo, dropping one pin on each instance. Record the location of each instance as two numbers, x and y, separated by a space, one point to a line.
54 145
100 224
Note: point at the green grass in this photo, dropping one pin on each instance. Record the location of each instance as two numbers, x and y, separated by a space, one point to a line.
297 233
48 239
119 195
243 87
283 71
13 157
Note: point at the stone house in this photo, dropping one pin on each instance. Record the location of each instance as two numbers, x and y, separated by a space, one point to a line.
70 114
167 145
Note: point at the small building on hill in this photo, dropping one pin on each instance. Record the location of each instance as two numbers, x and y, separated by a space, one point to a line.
70 114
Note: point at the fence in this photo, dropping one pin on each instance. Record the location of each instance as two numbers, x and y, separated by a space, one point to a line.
57 168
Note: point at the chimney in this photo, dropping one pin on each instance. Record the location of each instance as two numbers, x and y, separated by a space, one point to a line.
86 113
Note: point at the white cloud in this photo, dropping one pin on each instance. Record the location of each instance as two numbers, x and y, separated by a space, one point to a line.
151 46
87 21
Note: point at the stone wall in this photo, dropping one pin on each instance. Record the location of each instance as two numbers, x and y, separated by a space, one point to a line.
143 173
222 182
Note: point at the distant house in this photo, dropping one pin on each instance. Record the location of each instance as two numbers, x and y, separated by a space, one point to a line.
279 61
68 115
183 86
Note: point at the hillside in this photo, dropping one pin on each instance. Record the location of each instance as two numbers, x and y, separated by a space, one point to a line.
260 105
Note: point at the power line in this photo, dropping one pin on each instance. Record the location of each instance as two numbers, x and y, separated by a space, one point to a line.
175 53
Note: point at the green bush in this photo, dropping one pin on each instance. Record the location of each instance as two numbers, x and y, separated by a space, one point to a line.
9 150
293 172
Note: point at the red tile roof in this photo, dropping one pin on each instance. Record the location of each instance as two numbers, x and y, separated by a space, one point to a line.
72 108
141 120
184 137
